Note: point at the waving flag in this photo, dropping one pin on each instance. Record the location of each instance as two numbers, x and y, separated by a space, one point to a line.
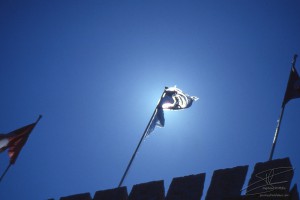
292 91
293 87
172 99
15 140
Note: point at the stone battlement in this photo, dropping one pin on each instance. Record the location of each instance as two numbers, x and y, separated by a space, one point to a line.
269 180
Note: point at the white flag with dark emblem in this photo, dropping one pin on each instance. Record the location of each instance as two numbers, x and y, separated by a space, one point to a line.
172 99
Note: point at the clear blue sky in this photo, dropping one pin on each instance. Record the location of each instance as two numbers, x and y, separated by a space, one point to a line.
96 69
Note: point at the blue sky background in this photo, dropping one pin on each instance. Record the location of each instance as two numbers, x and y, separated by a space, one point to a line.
96 69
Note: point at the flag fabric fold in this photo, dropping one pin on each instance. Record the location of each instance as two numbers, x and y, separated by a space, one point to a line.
158 120
293 86
15 140
172 99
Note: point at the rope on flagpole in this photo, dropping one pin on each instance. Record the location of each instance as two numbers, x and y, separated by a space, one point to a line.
141 140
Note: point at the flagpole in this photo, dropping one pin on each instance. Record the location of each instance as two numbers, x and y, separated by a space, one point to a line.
38 119
280 117
141 140
6 170
277 132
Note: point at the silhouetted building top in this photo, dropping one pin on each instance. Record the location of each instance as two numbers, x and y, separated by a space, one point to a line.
153 190
271 177
269 180
187 187
83 196
226 183
112 194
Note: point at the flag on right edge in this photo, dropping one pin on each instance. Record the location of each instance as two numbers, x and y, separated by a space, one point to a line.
172 99
293 86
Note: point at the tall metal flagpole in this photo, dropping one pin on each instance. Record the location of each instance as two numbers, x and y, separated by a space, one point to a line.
280 118
6 170
141 140
276 132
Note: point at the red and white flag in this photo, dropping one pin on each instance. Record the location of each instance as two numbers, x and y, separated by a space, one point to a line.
15 140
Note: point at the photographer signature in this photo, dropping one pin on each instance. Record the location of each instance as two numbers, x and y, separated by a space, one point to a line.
265 181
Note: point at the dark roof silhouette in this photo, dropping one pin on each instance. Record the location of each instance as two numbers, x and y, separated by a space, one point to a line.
269 180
